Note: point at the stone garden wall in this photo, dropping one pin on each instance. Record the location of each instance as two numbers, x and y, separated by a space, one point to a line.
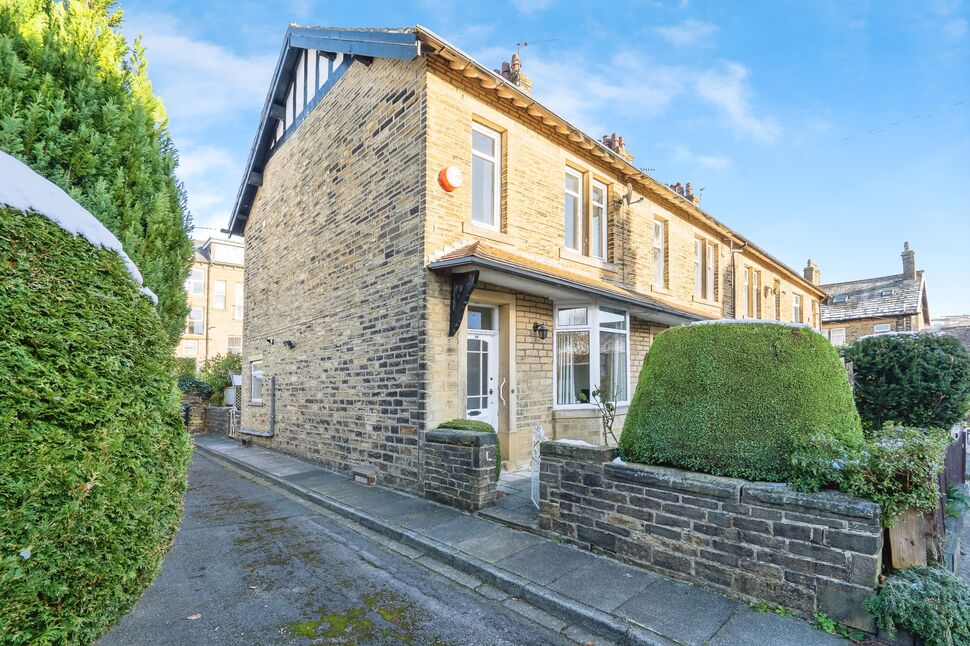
193 411
751 540
459 468
217 419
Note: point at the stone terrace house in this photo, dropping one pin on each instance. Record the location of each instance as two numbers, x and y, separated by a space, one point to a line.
425 241
215 294
895 303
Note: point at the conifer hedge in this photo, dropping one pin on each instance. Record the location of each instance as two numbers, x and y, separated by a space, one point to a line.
738 399
76 105
93 452
917 379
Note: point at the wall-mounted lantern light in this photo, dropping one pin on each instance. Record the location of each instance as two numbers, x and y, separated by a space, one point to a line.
540 329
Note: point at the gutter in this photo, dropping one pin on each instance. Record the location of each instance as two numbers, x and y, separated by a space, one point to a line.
562 282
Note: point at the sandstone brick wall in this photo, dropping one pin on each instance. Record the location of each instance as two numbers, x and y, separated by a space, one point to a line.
459 468
863 327
217 419
755 541
193 411
334 263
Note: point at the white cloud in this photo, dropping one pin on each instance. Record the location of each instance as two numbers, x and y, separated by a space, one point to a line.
726 88
955 29
198 80
681 154
531 6
687 33
196 162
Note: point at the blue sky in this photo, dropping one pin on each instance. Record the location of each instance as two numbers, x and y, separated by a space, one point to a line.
819 129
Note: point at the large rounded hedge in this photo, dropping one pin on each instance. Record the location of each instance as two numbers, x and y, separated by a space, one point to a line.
93 452
738 399
915 379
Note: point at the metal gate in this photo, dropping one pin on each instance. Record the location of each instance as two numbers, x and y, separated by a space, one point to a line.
538 437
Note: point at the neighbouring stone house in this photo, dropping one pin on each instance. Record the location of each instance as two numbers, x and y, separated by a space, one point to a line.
896 303
426 241
215 294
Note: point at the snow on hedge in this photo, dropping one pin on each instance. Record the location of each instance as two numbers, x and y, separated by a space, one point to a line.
805 326
24 190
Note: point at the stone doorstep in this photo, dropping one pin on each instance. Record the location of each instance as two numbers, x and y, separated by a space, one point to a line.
623 630
571 611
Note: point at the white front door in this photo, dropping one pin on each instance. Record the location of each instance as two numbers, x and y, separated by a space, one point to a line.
481 367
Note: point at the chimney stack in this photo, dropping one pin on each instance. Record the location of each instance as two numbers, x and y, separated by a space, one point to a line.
812 273
513 72
615 143
909 261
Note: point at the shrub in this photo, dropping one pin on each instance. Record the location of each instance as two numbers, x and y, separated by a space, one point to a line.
215 372
93 452
898 469
185 368
738 400
920 380
480 427
926 601
194 385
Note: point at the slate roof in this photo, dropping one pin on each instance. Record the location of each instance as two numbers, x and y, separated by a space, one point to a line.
885 296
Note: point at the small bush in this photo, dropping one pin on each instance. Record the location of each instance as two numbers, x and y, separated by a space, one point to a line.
194 385
926 601
480 427
899 469
185 367
739 400
215 372
920 380
92 452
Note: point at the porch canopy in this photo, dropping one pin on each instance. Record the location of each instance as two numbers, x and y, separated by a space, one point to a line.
479 262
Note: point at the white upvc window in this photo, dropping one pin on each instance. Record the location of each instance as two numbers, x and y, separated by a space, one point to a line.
486 176
219 294
195 283
237 302
745 309
837 336
598 224
705 268
196 321
573 190
256 381
709 275
660 254
755 305
190 348
796 308
591 349
882 328
234 345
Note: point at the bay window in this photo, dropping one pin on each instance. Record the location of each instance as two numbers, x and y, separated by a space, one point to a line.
574 210
486 175
592 351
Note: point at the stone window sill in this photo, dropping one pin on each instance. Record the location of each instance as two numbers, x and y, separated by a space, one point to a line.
574 256
704 301
484 232
587 412
661 290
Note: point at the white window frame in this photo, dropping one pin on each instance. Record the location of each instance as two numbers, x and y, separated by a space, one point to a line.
192 320
660 253
593 328
238 299
602 229
232 348
219 297
831 336
255 368
496 162
581 215
796 306
882 328
195 283
185 351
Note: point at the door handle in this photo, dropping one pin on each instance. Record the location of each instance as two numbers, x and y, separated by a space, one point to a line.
500 389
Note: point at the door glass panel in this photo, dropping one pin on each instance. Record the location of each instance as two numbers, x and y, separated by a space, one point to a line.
476 376
481 318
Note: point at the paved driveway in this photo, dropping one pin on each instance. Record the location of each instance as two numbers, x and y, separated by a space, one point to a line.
256 566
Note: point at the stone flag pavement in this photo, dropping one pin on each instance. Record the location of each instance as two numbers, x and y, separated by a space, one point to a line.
581 596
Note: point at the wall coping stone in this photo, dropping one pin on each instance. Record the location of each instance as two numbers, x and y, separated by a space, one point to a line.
460 437
677 479
835 502
578 451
